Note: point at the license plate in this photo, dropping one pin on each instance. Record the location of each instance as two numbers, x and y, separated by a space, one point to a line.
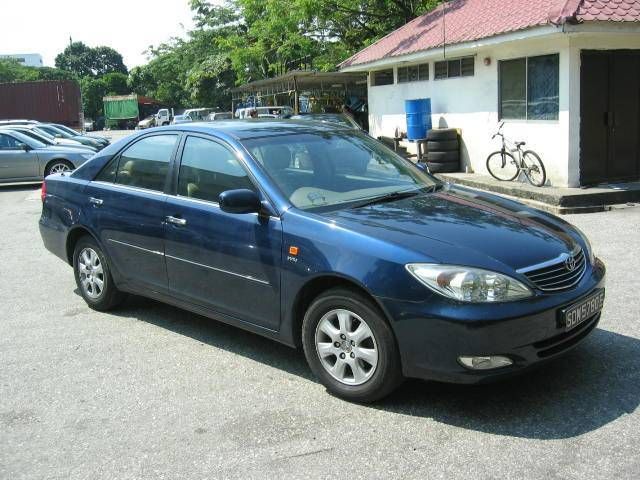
583 310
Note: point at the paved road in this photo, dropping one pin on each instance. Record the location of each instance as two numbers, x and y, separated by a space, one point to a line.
153 392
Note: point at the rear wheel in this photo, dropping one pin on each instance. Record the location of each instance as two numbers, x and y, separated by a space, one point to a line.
534 168
502 166
58 166
93 276
350 347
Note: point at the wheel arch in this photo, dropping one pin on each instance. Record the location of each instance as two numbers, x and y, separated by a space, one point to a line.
75 234
54 160
314 288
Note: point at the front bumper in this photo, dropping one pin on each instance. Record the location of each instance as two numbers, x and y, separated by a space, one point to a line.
432 335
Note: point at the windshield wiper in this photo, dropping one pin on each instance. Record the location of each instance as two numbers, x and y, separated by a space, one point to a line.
389 197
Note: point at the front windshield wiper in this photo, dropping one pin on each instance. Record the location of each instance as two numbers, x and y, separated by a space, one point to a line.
389 197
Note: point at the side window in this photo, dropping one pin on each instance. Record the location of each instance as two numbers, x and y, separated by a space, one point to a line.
108 172
8 143
208 169
145 163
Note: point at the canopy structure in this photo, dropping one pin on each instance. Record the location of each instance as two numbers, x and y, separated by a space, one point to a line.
305 91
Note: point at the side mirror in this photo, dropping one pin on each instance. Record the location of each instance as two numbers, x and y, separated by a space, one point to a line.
24 146
239 201
58 135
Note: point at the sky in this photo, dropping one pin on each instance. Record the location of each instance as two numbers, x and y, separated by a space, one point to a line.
129 26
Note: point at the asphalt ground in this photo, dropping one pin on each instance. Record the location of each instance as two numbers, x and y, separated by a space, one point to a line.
153 392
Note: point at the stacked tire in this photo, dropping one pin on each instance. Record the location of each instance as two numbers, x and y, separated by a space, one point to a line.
443 150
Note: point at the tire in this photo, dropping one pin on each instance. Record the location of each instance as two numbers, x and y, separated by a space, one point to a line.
535 171
443 146
508 171
443 157
364 382
449 167
101 298
58 166
442 134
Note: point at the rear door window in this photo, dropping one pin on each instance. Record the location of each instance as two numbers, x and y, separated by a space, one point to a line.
145 164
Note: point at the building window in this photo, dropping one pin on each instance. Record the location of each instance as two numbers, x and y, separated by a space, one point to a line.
382 77
413 73
529 88
458 67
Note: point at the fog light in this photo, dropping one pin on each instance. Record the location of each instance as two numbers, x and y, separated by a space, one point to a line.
485 363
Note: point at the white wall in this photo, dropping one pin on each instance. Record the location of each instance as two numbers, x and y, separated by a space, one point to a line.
26 59
471 104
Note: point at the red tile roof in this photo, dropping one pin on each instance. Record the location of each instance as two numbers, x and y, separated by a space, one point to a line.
468 20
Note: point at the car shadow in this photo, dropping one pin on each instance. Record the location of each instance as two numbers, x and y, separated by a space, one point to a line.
16 187
591 386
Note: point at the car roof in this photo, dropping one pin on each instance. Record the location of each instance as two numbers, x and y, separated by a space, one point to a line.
257 128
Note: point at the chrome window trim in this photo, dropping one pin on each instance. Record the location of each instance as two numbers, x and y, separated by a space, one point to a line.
246 277
129 187
155 252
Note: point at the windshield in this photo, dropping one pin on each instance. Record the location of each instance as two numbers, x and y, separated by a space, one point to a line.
46 135
51 130
332 170
66 129
36 136
32 142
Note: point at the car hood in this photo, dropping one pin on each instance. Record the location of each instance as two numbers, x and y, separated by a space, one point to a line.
460 226
71 148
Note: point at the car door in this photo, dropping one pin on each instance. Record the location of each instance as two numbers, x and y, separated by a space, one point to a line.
16 162
127 198
229 263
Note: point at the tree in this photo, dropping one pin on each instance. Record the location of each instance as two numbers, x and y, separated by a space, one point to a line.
12 71
85 61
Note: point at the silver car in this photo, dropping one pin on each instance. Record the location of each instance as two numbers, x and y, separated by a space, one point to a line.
45 138
25 159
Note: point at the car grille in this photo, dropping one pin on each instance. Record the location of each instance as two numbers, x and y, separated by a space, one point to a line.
559 275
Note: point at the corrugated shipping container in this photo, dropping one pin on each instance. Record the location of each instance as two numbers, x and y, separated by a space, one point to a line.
56 101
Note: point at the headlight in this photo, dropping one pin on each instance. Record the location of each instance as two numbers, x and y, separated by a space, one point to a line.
468 284
86 156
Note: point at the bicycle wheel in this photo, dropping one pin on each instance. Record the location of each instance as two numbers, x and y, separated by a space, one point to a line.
534 168
502 166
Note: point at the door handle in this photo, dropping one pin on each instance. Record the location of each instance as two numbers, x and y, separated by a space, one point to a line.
176 221
96 201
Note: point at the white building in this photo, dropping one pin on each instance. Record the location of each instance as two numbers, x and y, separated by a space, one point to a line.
564 75
26 59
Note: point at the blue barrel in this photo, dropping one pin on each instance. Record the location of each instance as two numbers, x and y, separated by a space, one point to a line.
418 113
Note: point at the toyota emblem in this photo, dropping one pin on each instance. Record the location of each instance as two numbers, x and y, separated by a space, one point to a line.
570 263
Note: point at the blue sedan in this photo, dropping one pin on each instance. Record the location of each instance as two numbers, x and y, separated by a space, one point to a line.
319 237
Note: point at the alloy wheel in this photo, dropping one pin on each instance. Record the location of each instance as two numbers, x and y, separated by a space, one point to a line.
346 347
59 168
91 273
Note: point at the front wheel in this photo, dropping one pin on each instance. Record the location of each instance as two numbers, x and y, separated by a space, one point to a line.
502 166
534 168
350 347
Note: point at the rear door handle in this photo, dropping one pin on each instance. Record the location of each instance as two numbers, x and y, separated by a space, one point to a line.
176 221
96 201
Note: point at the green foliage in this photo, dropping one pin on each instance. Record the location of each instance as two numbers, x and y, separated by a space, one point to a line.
94 89
85 61
12 71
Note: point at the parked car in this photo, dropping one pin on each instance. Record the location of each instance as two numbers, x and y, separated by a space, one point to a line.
46 139
24 159
220 116
93 140
376 269
147 122
178 119
337 118
163 117
56 139
58 132
18 122
274 112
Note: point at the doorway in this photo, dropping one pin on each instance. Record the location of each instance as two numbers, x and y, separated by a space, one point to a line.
610 116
